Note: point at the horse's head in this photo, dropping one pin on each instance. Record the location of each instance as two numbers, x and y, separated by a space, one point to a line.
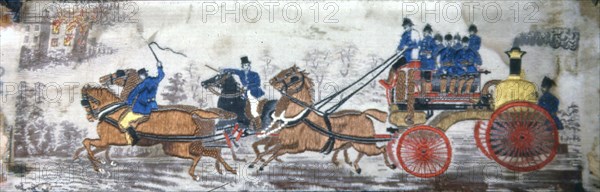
94 99
215 81
119 77
290 81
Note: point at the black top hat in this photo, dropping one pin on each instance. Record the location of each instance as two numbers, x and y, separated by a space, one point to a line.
427 28
120 73
448 37
142 71
407 21
465 39
473 28
547 82
245 59
437 37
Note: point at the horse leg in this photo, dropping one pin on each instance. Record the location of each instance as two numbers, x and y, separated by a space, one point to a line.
272 142
192 169
383 151
107 157
217 155
281 151
78 152
235 156
356 167
88 143
336 152
270 151
218 168
347 158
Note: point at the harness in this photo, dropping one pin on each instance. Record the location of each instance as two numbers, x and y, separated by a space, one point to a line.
328 147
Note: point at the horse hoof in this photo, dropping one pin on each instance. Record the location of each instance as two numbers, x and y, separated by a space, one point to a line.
251 166
196 178
113 163
101 171
261 168
358 170
393 167
102 162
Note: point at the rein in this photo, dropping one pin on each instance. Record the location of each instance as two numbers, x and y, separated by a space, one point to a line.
211 88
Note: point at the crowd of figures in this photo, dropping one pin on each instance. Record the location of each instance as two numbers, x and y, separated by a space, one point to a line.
558 37
450 57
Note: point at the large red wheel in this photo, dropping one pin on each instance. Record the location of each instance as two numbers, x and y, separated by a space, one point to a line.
522 136
424 151
479 134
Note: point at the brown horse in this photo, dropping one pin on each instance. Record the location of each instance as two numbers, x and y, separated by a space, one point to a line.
299 137
101 100
128 82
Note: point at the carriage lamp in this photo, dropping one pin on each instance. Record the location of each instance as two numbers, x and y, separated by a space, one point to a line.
515 54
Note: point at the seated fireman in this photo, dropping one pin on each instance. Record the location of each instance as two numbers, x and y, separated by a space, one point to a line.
426 56
465 66
445 59
142 100
409 43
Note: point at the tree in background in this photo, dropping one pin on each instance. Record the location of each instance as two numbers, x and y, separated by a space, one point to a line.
175 92
317 62
347 53
195 86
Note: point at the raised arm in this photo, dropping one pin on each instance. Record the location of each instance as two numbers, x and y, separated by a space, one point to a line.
161 73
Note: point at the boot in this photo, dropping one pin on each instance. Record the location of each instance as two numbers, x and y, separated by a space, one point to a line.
443 83
428 87
452 85
134 136
461 83
401 87
469 85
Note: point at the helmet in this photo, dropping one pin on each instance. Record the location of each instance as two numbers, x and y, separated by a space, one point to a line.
427 28
473 28
547 82
465 39
142 71
448 37
120 73
457 37
437 37
407 21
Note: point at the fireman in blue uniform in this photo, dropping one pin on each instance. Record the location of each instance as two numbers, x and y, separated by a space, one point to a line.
445 57
427 58
142 100
475 43
549 101
409 41
251 82
465 66
457 44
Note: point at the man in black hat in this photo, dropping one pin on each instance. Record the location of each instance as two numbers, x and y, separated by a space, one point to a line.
426 55
549 101
142 100
14 6
251 82
475 42
409 42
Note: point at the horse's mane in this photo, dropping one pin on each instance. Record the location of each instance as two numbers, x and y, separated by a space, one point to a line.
310 85
99 91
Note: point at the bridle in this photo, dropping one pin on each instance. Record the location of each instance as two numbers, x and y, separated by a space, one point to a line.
100 113
220 81
292 82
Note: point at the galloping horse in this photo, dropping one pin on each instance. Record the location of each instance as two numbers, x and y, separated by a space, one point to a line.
102 104
128 82
295 135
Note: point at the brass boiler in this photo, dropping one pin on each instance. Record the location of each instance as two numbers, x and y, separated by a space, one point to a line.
515 88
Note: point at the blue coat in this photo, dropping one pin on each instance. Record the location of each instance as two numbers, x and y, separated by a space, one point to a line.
426 53
407 41
250 80
143 98
446 55
475 44
550 103
465 59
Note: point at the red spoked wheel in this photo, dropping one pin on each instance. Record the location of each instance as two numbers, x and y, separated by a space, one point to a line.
424 151
522 136
479 130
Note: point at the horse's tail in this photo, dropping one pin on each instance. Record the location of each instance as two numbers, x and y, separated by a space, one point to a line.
377 114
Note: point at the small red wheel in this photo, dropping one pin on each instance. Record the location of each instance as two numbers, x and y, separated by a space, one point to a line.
424 151
522 136
480 127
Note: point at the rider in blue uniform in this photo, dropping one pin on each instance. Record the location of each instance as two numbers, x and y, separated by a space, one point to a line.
409 41
475 43
445 58
549 101
251 82
142 100
427 58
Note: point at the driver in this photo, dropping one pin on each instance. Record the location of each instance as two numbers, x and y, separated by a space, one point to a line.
251 82
142 100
